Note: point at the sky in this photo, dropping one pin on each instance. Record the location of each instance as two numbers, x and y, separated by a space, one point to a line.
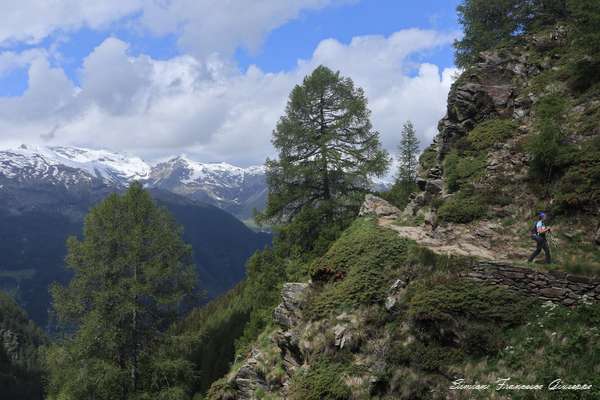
210 78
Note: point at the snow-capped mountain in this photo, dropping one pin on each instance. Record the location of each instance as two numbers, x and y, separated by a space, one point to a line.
237 190
70 166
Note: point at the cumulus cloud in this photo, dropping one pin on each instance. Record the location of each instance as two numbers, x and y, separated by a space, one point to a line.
208 108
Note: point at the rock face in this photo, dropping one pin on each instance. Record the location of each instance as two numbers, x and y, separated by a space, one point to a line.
288 313
495 87
378 207
252 376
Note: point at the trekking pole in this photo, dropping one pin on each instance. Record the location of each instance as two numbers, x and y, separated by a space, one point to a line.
553 242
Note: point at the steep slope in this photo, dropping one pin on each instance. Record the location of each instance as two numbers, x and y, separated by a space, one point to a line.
385 318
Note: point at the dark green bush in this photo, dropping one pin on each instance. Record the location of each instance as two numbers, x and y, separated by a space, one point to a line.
546 147
462 170
428 158
490 132
579 187
356 268
463 207
399 193
322 381
445 301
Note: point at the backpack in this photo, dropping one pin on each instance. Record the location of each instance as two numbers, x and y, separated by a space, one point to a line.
534 229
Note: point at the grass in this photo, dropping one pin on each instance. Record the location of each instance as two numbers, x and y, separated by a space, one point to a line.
554 342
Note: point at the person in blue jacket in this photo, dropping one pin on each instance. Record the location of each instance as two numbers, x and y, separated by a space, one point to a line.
538 233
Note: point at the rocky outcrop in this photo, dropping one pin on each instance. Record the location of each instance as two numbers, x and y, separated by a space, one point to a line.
281 347
556 286
489 89
248 379
395 294
378 207
289 312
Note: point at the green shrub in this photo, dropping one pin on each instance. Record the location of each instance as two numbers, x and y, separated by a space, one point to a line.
322 381
428 158
462 170
444 301
579 187
465 314
490 132
399 193
546 147
356 268
432 357
462 208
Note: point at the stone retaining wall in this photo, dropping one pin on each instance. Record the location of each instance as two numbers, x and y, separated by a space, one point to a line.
556 286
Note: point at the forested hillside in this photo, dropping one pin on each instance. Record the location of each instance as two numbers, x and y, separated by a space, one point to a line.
20 360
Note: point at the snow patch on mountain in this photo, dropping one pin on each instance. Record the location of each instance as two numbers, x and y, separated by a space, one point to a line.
71 165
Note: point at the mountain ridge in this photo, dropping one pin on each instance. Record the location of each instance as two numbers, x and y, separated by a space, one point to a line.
235 189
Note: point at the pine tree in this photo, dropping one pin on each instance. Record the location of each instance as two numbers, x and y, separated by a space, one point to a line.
408 151
405 183
328 150
131 271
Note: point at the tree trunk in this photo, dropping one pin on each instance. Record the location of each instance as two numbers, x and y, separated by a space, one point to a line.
325 165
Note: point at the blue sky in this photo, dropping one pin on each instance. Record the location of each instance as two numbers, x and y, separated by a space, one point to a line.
100 66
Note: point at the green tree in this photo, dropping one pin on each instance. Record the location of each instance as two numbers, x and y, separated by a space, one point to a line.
488 24
405 183
408 151
485 24
131 271
328 150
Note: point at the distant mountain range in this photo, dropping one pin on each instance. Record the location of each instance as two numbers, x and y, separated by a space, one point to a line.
234 189
45 194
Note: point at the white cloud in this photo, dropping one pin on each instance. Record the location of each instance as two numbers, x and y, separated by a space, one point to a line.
10 60
203 27
206 26
32 20
211 110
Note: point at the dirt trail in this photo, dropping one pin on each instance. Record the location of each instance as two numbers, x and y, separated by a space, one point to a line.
483 240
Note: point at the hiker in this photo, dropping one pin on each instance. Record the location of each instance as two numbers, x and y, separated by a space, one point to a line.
538 233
